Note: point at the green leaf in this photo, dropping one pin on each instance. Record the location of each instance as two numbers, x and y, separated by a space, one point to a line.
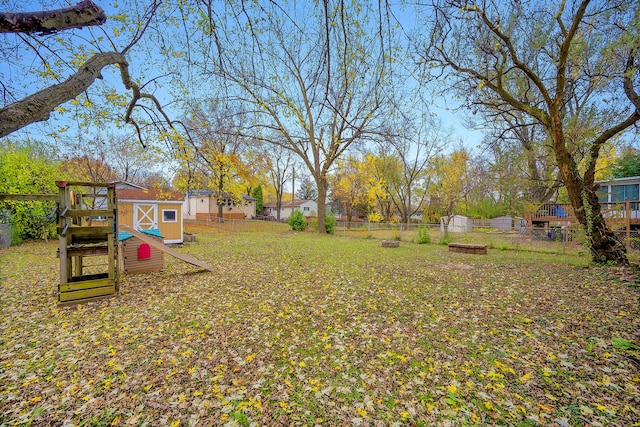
623 344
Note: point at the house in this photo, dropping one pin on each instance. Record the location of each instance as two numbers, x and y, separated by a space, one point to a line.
619 203
456 224
619 190
152 209
307 207
203 205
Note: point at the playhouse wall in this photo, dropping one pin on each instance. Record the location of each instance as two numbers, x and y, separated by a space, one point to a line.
129 262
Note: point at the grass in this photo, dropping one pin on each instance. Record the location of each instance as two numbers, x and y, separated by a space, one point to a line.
301 329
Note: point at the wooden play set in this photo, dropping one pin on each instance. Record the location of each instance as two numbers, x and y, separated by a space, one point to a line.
79 205
91 238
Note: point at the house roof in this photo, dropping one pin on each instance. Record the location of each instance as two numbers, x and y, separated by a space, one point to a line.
135 194
615 180
287 203
209 193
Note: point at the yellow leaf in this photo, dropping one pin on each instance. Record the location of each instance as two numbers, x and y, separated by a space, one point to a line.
526 377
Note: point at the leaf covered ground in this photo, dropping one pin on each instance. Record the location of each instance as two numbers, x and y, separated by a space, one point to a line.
300 329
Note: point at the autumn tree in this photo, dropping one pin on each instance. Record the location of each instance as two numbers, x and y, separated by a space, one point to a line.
414 145
520 155
212 154
452 181
354 186
315 74
280 163
571 67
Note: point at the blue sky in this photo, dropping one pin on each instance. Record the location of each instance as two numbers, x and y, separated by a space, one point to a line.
450 119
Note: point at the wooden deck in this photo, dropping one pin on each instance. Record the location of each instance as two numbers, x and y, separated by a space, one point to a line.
617 215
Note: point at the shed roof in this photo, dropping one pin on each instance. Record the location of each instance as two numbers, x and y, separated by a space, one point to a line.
124 235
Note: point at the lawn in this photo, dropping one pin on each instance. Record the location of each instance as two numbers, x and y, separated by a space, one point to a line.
301 329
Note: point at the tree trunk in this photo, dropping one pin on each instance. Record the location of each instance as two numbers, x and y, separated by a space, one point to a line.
582 193
278 206
602 243
321 182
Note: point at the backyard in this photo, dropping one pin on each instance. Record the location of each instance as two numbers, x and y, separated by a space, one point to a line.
302 329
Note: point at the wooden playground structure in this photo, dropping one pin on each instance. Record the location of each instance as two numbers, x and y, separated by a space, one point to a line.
88 228
79 205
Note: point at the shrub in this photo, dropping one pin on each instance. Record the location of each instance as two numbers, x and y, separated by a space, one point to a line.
423 236
446 238
297 221
375 217
330 223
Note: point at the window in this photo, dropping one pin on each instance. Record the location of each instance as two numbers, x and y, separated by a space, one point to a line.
306 208
169 215
621 193
603 193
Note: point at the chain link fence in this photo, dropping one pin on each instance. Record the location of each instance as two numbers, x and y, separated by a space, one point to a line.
552 239
5 235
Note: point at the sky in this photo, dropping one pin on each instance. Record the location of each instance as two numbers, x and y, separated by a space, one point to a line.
450 119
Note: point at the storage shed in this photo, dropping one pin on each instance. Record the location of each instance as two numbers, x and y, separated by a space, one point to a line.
152 209
502 223
137 256
456 224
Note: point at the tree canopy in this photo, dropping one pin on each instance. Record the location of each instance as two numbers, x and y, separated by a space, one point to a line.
571 68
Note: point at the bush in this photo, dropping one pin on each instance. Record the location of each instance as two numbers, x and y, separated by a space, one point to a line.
423 236
330 223
446 238
297 221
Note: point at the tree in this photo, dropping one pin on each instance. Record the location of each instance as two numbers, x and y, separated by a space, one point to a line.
213 152
279 161
257 194
85 13
28 168
316 77
572 68
354 186
36 61
414 147
307 189
520 155
452 182
628 165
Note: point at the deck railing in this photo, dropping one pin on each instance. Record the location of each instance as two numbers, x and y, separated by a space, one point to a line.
618 214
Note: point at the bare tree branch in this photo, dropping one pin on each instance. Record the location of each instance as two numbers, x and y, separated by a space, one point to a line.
38 107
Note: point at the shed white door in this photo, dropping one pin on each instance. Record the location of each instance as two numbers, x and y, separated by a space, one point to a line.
145 216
